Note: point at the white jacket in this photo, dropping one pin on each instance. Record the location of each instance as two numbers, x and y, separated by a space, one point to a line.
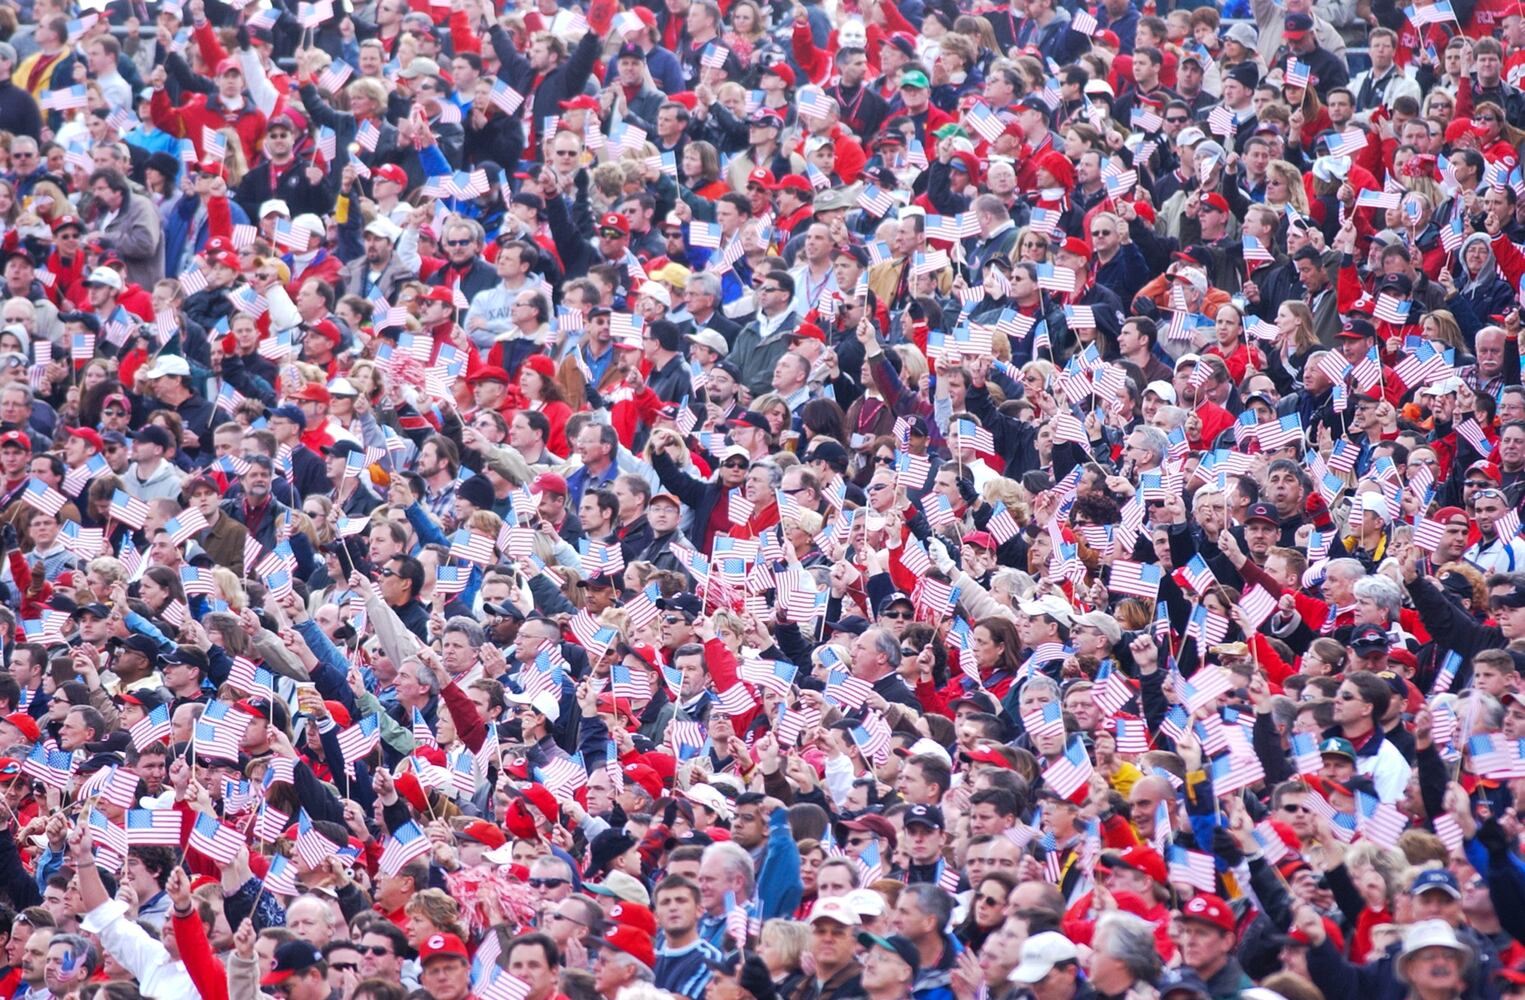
1388 770
140 954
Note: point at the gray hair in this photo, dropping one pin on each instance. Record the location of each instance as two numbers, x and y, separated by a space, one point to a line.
886 643
642 974
1154 439
1175 416
469 627
1042 682
1380 590
428 678
704 283
1347 569
1490 711
1129 940
85 952
775 474
8 52
931 900
736 860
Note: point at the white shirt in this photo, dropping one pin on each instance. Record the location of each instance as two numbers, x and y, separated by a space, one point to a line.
140 954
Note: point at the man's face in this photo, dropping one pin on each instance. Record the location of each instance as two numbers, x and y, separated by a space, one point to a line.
1490 353
34 960
831 943
447 977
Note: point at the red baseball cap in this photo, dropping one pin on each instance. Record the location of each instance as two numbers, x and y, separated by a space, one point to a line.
485 833
808 331
488 373
614 220
763 178
582 102
1142 859
442 946
1209 909
549 482
633 942
16 438
26 724
1076 246
391 172
313 392
642 774
88 434
228 64
793 182
1216 202
634 915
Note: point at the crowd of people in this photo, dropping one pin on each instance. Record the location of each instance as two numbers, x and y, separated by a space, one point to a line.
694 500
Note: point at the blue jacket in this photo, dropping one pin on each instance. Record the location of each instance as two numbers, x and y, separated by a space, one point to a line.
179 239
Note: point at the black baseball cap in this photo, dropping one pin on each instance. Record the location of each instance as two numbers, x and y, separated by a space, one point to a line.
291 957
923 815
896 943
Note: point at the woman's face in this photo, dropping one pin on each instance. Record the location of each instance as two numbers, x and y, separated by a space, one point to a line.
692 164
529 383
1276 189
778 418
94 376
7 198
10 343
1074 145
990 903
810 863
1286 321
1476 256
744 19
1035 248
151 592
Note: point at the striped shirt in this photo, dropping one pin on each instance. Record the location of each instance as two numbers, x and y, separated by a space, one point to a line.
683 970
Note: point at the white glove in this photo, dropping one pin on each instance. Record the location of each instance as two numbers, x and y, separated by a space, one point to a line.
940 557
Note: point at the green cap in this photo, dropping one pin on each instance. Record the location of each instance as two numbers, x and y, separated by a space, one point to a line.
1339 746
915 78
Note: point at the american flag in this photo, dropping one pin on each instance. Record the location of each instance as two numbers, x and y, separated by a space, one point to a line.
984 121
1436 13
1377 821
218 740
43 497
872 737
47 630
938 510
1382 200
1206 627
1391 309
714 56
1193 868
1453 235
197 581
632 684
1136 579
1083 22
1053 278
605 558
1255 251
1445 676
846 690
473 546
216 840
505 98
335 76
110 842
736 700
1206 686
814 102
1046 722
1002 526
1449 832
81 347
65 99
185 526
1350 142
153 828
1471 432
359 740
312 848
281 878
503 986
1305 753
1257 605
563 776
1132 735
405 845
1071 772
684 733
1296 74
1113 691
1199 575
192 280
152 728
368 135
270 824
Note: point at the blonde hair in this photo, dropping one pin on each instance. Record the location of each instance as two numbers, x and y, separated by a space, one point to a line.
436 906
788 938
230 587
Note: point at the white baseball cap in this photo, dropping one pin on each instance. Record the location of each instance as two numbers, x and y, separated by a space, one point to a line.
168 364
541 701
275 206
1162 389
711 798
1040 953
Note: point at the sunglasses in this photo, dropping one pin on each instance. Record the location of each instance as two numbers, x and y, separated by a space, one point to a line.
1177 121
1101 232
610 234
990 900
344 967
673 619
1290 808
896 615
546 883
1477 484
457 243
389 572
884 459
734 465
374 949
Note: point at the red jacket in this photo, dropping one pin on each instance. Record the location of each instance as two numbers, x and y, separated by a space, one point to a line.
206 111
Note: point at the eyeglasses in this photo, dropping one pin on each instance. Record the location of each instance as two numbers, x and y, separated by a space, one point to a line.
546 883
457 243
1101 232
793 492
563 916
770 289
374 949
566 152
23 156
1477 484
859 841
